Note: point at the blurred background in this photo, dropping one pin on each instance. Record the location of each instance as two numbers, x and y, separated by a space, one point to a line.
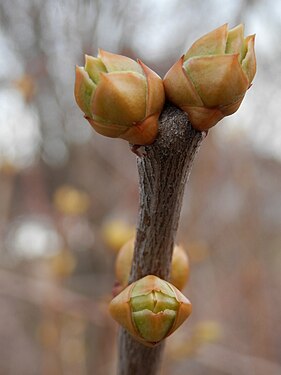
69 197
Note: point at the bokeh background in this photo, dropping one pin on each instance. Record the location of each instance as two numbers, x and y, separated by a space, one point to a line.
69 197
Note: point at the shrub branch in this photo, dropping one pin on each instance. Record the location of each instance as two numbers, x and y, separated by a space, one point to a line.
163 172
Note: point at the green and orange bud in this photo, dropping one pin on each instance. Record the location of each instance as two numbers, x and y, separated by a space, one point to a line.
150 309
211 79
179 267
121 98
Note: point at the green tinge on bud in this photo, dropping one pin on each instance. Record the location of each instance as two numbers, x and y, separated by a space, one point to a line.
150 309
121 98
211 79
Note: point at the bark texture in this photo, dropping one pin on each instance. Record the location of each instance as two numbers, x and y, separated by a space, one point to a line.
163 172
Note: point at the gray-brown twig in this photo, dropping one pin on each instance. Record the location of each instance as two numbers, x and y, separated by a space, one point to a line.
163 172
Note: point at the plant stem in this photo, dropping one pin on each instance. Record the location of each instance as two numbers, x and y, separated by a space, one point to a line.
163 172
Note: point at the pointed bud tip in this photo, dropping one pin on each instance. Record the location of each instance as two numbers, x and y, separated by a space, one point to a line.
223 28
251 37
239 26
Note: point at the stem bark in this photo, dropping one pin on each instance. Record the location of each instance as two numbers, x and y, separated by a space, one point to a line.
163 172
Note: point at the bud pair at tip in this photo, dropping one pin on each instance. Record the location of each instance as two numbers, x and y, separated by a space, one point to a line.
122 98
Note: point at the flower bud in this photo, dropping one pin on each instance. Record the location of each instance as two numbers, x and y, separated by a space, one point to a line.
121 98
150 309
179 266
211 79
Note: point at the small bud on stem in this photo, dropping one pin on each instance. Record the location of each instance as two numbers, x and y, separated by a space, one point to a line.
150 309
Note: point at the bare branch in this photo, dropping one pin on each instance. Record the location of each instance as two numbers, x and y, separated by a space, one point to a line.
163 172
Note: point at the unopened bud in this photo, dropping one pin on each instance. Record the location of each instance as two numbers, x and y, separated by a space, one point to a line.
150 309
121 98
211 79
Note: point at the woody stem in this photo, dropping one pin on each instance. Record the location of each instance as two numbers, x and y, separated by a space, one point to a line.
163 173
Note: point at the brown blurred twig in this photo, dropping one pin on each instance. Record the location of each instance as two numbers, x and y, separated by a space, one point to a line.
61 300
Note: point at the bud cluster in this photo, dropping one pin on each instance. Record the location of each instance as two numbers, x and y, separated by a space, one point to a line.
122 98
